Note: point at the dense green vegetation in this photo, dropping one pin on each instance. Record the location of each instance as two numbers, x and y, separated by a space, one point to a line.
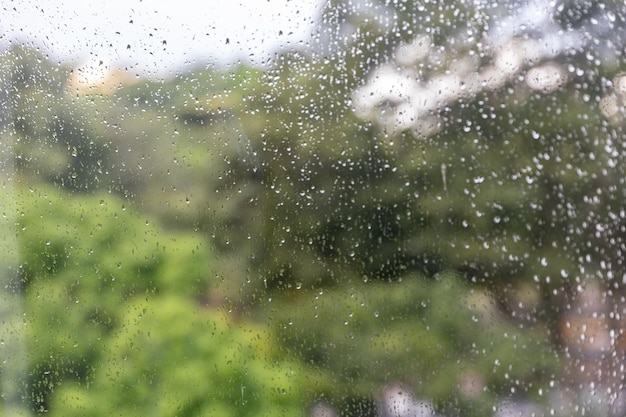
238 242
118 319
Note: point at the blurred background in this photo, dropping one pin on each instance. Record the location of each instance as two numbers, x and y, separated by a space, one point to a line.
340 208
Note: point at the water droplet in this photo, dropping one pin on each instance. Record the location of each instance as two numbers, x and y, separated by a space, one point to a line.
611 16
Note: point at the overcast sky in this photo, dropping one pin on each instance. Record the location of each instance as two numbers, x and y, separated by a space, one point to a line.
157 37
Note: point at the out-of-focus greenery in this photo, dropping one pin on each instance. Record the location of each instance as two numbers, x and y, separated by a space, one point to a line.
442 337
170 358
118 319
344 260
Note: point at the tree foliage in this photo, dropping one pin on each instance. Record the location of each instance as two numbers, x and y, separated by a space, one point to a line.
114 304
373 244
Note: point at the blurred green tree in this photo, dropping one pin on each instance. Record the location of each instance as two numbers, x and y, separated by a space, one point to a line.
114 305
171 358
82 259
444 340
55 139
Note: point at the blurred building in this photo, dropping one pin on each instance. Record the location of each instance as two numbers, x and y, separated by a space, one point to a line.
98 78
396 401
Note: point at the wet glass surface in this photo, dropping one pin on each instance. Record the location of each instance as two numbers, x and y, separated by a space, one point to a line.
343 208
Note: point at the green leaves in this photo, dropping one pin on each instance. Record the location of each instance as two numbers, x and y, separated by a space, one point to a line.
429 335
170 358
86 260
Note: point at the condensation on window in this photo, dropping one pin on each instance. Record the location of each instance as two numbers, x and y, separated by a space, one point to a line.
321 208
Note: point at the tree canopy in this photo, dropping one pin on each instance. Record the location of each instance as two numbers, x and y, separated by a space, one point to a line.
421 199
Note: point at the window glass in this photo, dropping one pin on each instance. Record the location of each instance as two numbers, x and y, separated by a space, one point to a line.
316 208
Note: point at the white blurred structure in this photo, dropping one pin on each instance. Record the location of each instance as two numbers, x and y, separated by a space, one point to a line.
397 401
518 409
521 48
322 409
613 105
